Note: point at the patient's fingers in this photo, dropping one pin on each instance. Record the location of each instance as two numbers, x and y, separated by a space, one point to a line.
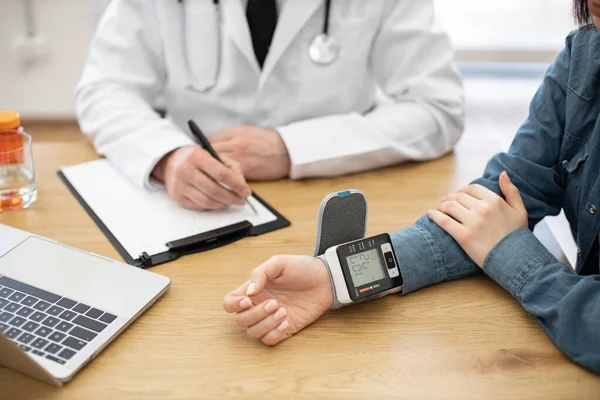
237 300
267 324
479 192
256 314
277 335
466 200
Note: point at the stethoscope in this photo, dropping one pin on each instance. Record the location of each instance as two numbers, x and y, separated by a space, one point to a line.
323 49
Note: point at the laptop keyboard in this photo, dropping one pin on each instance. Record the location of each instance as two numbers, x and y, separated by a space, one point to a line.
46 324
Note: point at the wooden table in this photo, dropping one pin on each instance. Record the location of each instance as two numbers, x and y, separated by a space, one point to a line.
457 340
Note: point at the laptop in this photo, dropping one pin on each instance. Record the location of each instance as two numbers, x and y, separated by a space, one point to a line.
59 306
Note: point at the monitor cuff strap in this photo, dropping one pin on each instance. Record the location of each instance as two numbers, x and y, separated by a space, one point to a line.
335 304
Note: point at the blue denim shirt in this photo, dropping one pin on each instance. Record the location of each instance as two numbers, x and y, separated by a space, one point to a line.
555 162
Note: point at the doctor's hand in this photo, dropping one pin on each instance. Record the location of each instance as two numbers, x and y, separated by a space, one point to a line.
478 219
284 295
191 176
261 152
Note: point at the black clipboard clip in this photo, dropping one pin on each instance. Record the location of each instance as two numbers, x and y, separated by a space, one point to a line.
144 260
211 238
193 244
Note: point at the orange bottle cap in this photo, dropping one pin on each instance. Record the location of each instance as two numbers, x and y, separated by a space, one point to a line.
9 120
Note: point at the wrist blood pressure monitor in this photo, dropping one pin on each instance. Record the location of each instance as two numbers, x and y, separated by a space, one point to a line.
361 268
365 269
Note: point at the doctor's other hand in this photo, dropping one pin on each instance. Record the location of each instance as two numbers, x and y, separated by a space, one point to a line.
283 296
193 178
261 152
478 219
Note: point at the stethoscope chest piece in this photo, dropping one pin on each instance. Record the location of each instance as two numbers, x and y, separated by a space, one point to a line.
324 49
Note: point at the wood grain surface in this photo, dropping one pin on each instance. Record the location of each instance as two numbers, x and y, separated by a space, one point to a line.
460 340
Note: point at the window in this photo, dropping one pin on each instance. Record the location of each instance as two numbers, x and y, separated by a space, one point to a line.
506 25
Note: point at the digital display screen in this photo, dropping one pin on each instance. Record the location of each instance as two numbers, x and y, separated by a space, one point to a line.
365 267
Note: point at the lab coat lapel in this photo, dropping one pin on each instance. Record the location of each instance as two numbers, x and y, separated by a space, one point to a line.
293 17
235 26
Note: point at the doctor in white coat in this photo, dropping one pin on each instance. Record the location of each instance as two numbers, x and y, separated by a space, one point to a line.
273 102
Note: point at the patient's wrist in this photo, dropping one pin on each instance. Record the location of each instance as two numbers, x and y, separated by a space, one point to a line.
335 303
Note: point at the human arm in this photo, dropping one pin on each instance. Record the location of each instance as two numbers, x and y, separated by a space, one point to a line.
411 59
122 78
302 286
565 304
493 231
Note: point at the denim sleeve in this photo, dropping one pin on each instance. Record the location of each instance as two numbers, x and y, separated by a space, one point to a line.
532 162
566 305
428 255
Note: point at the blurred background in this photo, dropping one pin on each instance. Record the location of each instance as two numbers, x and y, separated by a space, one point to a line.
503 48
44 43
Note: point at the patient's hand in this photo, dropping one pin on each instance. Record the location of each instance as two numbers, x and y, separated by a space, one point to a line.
478 219
283 295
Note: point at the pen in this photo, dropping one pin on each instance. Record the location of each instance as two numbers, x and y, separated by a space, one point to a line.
207 146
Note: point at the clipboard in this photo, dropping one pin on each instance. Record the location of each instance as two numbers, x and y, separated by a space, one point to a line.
181 246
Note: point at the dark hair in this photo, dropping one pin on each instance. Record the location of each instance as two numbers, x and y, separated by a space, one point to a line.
581 12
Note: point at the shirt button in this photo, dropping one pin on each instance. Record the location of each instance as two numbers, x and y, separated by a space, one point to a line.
565 163
578 251
592 209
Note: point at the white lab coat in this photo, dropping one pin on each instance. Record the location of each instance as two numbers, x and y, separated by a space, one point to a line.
330 117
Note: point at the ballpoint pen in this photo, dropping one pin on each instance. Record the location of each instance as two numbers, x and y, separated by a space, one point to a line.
208 147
